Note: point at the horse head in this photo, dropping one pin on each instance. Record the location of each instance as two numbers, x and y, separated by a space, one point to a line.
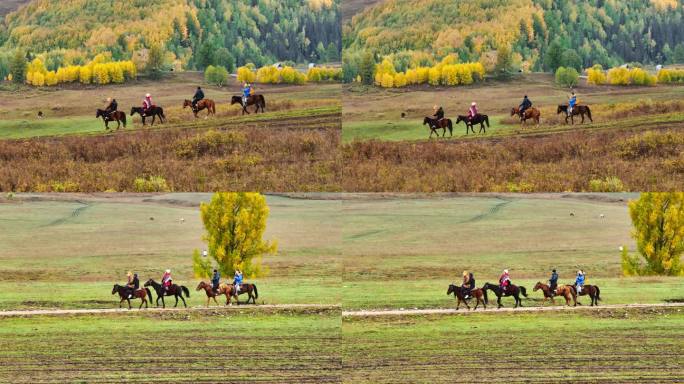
132 110
537 286
115 288
236 100
148 283
186 103
452 288
99 113
513 111
201 285
561 108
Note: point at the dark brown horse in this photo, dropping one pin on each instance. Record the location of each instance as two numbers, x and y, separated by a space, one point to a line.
578 110
118 116
512 290
142 294
249 289
592 291
479 119
257 100
174 290
155 112
435 124
478 294
207 104
530 114
565 291
211 294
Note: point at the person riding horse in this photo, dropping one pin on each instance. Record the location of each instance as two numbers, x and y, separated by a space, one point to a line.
579 281
199 95
468 284
237 281
216 280
504 281
553 282
572 102
525 105
472 112
439 113
112 106
167 280
147 103
133 283
246 93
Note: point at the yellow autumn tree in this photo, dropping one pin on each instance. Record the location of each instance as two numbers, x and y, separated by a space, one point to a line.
658 220
235 224
245 75
596 75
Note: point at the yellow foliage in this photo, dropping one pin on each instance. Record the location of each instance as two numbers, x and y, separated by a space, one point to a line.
85 75
387 81
667 76
448 72
246 75
596 75
51 78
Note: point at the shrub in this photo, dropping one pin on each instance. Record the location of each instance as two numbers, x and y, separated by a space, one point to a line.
216 75
669 76
609 184
596 75
151 184
567 77
246 75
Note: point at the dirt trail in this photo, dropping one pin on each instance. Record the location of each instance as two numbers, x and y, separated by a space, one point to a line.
50 312
463 310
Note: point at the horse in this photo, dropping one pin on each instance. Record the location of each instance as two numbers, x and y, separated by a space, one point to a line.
250 289
118 116
207 104
592 290
174 290
564 290
257 100
479 119
154 112
530 113
513 290
478 294
141 294
211 294
578 110
435 124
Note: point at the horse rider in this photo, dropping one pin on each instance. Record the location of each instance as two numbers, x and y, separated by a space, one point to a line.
215 280
439 113
112 106
572 102
553 282
199 95
468 284
147 103
133 283
472 111
504 281
579 281
237 281
167 280
525 105
246 92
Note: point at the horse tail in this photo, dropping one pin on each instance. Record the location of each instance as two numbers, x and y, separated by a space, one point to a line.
484 292
263 101
487 120
185 290
598 292
589 113
123 119
256 292
523 290
149 294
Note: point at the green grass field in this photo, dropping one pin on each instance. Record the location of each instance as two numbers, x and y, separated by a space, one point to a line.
404 252
245 346
615 346
68 252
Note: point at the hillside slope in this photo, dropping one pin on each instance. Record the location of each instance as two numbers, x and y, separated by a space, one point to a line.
608 32
7 6
195 33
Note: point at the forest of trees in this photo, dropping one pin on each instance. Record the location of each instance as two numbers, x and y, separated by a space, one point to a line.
543 35
193 34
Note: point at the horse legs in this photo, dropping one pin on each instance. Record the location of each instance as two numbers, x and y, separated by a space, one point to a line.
129 303
443 131
163 302
176 297
498 300
184 303
214 297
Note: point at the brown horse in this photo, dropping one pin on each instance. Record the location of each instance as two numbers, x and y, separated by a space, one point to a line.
209 290
118 116
257 100
578 110
249 289
592 291
435 124
478 294
142 294
207 104
530 113
565 291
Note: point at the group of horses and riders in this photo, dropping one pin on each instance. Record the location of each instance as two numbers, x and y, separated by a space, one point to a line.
467 290
167 287
198 103
525 111
438 121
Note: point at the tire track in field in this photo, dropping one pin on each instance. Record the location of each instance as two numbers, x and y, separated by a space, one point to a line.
74 214
236 308
453 311
491 211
